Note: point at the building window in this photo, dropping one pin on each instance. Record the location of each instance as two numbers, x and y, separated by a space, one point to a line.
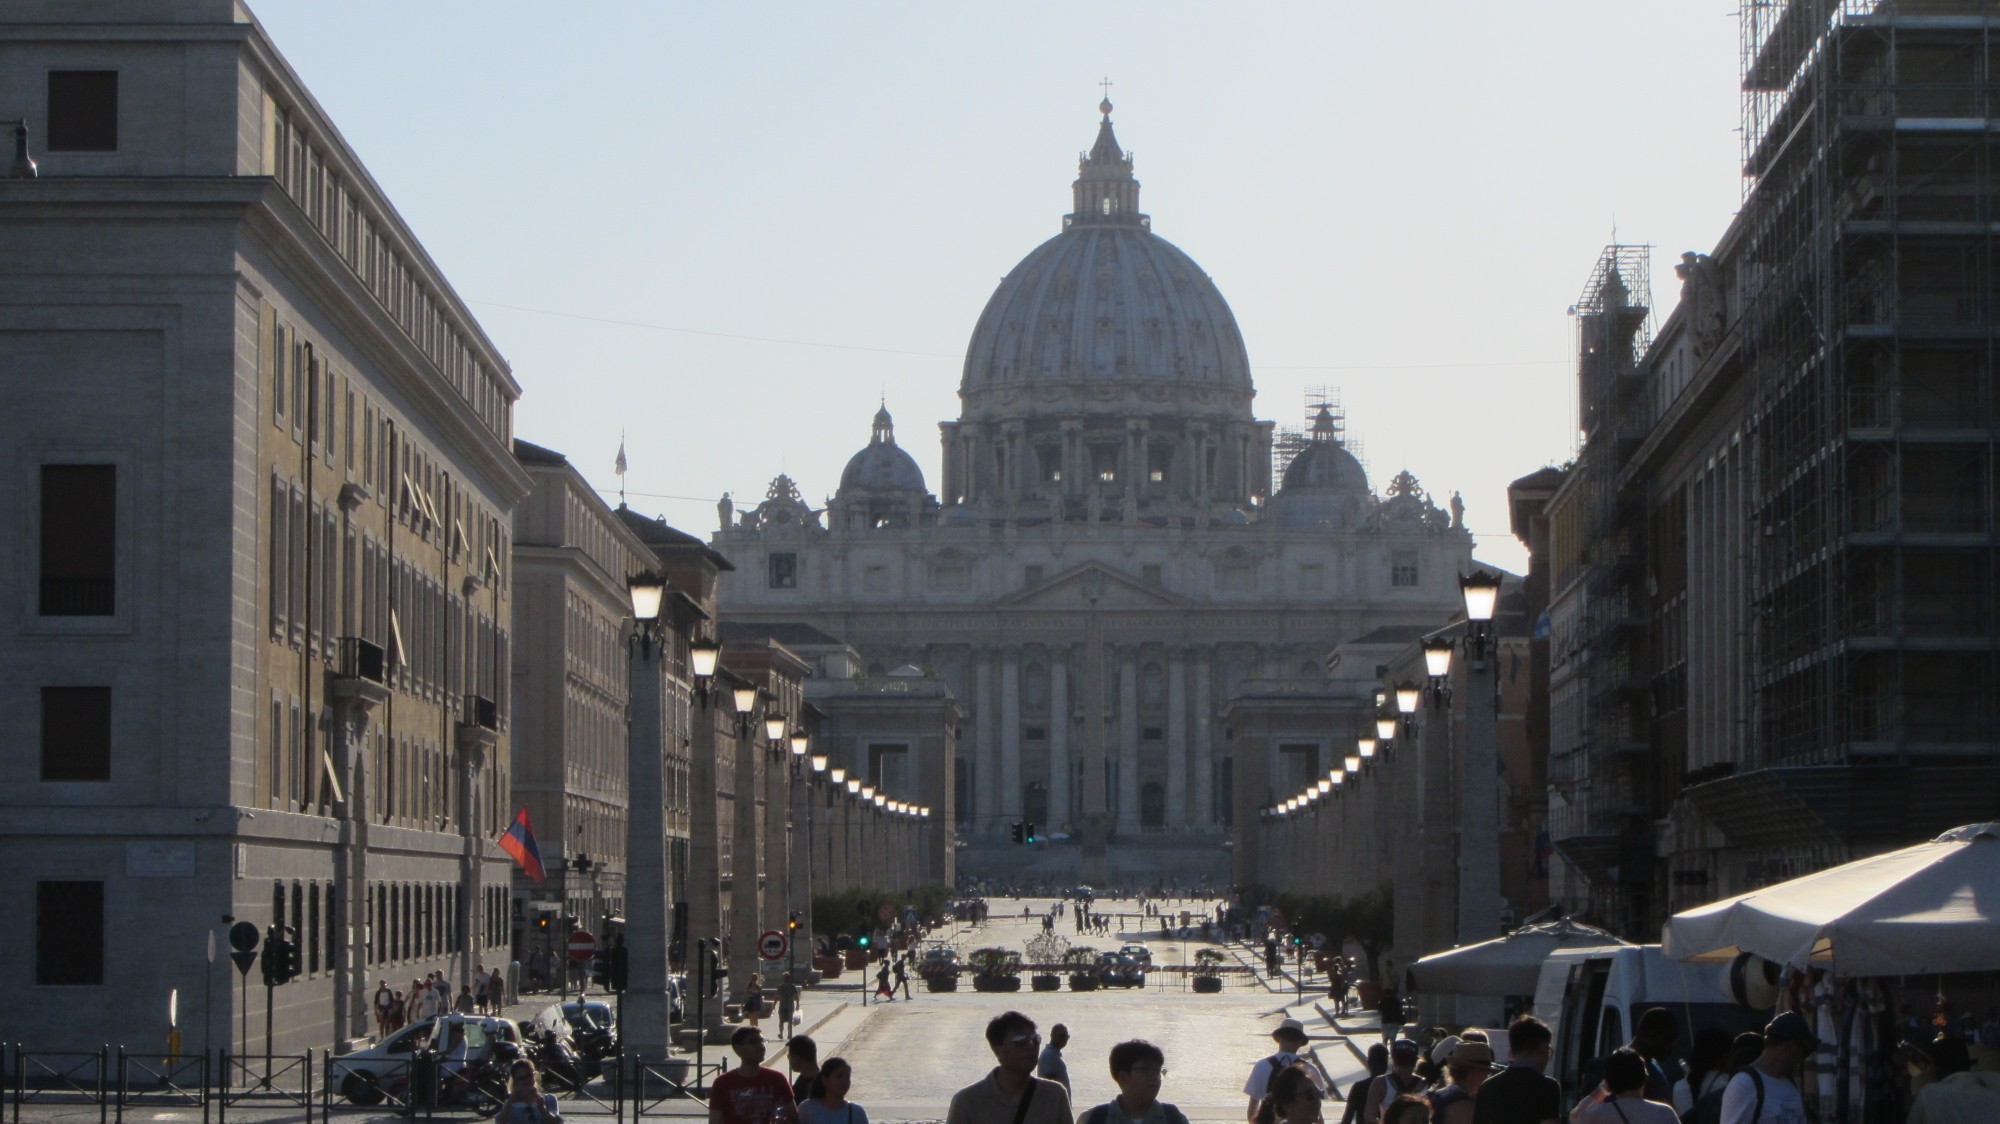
83 111
79 540
1403 568
1151 733
76 733
69 934
784 572
1035 733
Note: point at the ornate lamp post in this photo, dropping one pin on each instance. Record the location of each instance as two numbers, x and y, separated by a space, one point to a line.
644 1005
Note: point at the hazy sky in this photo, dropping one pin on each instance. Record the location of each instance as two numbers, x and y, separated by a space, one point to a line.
726 228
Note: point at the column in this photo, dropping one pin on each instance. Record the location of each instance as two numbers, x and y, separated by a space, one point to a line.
1176 737
1059 766
647 915
1204 740
745 918
705 828
1010 733
985 743
1128 738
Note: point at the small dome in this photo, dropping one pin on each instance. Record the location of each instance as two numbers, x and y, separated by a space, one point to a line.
882 466
1325 466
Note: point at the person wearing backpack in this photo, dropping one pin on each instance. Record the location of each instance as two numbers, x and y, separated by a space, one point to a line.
1763 1093
1138 1067
1291 1039
1402 1078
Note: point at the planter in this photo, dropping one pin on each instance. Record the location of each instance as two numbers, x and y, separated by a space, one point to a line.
1370 994
1082 981
828 967
996 983
857 958
1208 984
941 982
1045 982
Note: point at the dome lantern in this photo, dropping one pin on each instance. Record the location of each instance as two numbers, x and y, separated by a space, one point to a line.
1105 193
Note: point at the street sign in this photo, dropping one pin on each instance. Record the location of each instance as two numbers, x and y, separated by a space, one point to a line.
772 945
1319 940
581 946
243 938
885 913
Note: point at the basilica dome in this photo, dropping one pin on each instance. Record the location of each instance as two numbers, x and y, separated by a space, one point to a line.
882 465
1324 485
1105 310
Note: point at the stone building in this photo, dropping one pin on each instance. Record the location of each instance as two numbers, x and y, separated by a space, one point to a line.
1105 561
259 646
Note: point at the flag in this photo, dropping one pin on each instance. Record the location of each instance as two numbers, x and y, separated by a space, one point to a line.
619 467
519 841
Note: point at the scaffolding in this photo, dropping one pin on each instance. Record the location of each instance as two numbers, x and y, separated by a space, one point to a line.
1868 302
1287 443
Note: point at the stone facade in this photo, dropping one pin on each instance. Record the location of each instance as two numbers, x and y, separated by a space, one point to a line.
1107 490
259 646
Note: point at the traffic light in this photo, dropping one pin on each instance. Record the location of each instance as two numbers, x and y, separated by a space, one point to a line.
542 922
861 941
280 959
1028 830
295 960
600 968
1015 832
792 923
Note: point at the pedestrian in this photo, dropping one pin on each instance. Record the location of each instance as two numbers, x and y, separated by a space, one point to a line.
1011 1093
1467 1067
750 1093
1622 1099
383 997
526 1103
1654 1040
1293 1098
1408 1108
479 989
788 1002
1138 1067
1521 1093
1707 1069
829 1103
1763 1092
1357 1093
1390 1008
753 999
496 989
903 977
1402 1078
1051 1065
1957 1095
802 1053
1290 1036
398 1014
882 988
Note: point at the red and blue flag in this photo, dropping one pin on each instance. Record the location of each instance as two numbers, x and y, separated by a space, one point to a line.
519 841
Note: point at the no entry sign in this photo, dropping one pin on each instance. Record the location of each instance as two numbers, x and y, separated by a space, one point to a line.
772 945
581 946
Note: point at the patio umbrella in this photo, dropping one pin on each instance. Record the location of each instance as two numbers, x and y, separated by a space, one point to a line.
1925 910
1508 965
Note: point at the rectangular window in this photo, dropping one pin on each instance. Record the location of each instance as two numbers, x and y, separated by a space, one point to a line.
76 733
83 111
1403 568
69 934
784 572
79 540
278 391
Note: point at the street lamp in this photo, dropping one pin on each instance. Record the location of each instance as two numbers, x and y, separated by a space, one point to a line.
1366 746
853 786
1385 727
819 762
703 655
1338 777
800 743
1437 665
1354 763
837 775
643 1003
1408 697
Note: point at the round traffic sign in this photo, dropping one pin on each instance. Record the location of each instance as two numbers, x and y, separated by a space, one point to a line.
885 913
243 936
772 945
581 945
1319 940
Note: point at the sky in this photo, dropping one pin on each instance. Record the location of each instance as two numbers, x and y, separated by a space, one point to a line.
723 232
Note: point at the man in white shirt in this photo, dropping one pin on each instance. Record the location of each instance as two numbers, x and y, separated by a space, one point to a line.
1050 1066
1762 1092
1291 1039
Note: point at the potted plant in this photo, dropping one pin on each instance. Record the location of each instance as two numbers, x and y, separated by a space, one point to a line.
1081 960
1045 955
940 973
995 969
1208 970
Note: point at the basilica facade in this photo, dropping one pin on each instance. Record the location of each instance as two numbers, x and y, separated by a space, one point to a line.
1106 562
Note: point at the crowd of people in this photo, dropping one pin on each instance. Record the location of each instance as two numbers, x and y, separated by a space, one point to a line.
434 995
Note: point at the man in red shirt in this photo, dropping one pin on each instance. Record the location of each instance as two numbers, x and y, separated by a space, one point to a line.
751 1094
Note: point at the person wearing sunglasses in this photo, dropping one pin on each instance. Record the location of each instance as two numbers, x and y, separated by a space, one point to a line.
1011 1093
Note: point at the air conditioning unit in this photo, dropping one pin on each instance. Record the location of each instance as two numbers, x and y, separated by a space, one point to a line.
361 659
482 712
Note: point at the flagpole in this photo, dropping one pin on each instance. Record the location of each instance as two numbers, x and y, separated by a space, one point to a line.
619 468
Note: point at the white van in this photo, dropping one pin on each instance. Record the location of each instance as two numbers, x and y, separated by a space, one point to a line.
1592 999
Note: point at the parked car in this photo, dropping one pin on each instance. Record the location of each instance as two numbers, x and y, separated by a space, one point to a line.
365 1077
1138 952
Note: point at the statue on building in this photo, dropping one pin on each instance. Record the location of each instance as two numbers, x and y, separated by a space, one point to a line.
1702 298
1457 510
726 508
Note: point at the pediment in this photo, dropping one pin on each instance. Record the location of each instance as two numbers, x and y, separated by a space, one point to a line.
1118 590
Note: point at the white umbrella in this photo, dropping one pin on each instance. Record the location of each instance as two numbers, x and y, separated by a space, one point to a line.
1924 910
1508 965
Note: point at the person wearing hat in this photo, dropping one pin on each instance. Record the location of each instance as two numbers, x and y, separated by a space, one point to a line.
1762 1092
1401 1078
1466 1066
1291 1039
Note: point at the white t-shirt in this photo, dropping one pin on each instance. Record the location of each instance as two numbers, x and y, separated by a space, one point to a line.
1782 1103
1261 1073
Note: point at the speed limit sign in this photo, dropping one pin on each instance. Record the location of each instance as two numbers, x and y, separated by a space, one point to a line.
772 945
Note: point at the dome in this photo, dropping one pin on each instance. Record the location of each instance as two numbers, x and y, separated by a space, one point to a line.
1325 466
1104 303
882 465
1324 485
